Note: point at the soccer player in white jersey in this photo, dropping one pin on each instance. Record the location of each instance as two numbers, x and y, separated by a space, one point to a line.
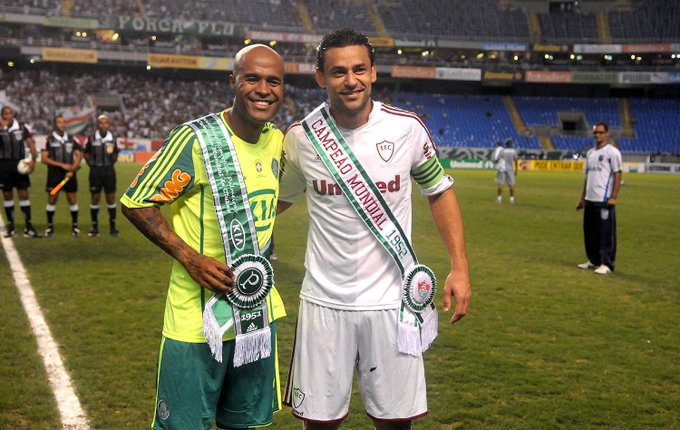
600 191
351 293
506 171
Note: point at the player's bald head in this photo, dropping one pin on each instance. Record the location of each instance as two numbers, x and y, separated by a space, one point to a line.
7 112
257 49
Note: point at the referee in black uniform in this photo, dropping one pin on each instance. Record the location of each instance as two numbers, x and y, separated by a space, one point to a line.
62 154
15 139
101 153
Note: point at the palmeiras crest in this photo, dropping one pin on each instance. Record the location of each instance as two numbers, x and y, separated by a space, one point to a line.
385 150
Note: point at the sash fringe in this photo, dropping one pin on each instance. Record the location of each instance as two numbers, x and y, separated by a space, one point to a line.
430 327
211 328
252 346
408 339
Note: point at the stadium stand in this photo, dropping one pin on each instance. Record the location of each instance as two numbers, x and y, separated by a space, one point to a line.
656 126
454 18
151 105
148 104
464 121
543 111
331 14
573 143
262 14
648 21
561 27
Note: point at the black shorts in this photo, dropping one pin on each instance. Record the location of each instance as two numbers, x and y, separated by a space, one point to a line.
56 176
10 178
102 177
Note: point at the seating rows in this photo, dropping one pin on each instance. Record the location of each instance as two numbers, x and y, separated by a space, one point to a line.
455 18
643 21
543 111
464 120
150 106
656 126
649 21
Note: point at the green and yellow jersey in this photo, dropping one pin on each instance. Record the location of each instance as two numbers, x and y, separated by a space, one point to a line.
176 175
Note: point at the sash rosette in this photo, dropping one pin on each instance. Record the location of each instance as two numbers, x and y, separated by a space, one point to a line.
417 326
244 306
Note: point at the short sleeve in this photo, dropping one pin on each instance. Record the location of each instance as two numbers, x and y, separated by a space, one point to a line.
428 171
292 179
616 162
168 175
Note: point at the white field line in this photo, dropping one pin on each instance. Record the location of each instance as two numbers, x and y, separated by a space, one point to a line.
71 412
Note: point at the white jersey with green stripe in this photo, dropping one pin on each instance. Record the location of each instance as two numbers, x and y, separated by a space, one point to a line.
346 266
176 176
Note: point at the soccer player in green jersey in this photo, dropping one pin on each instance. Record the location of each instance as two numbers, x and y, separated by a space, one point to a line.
194 389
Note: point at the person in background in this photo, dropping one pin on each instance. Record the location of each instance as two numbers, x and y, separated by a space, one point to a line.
598 199
15 140
101 153
506 171
62 155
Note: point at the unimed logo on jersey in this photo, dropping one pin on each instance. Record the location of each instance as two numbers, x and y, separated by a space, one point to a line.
427 150
322 187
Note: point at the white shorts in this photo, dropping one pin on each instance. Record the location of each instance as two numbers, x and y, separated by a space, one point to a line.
330 344
505 177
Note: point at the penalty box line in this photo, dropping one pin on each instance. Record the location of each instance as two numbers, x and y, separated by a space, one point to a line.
70 410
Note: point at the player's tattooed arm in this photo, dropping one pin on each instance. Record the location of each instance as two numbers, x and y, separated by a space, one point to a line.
207 271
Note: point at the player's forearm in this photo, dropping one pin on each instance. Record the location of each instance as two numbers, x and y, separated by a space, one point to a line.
617 185
76 160
31 147
449 221
583 190
151 223
45 159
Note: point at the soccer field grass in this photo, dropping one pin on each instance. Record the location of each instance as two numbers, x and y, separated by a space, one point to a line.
545 345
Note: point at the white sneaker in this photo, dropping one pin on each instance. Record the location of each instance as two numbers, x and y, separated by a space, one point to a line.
499 200
512 200
603 270
587 265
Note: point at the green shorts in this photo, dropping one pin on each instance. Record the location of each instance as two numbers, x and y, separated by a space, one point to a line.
193 391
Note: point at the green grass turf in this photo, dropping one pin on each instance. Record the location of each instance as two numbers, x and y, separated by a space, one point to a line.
545 345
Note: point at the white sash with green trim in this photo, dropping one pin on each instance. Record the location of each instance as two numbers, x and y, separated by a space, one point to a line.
244 306
418 320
